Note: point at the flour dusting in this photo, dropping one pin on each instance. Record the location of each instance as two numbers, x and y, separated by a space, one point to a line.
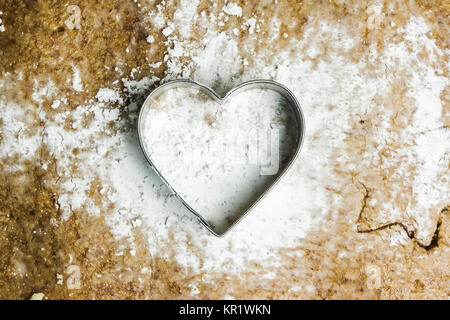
376 147
2 27
220 157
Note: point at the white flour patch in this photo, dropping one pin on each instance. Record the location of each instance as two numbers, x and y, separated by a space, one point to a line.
55 104
219 157
76 81
301 200
424 142
232 9
185 17
250 24
2 27
109 95
333 93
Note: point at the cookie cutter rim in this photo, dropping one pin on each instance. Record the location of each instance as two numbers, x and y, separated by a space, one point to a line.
261 84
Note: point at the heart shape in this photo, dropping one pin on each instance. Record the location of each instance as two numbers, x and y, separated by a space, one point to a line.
192 136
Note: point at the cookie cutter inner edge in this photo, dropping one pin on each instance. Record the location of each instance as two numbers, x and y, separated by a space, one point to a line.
260 84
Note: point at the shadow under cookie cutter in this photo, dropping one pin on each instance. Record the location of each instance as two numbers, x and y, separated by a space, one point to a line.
253 84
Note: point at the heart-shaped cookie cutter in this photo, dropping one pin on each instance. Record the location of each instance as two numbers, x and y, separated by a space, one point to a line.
253 84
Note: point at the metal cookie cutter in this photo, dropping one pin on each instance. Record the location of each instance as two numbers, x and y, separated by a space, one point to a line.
254 84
